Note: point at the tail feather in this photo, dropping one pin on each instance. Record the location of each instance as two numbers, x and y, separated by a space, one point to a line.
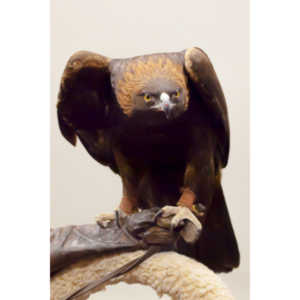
217 247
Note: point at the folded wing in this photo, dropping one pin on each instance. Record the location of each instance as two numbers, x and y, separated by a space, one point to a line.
205 81
84 103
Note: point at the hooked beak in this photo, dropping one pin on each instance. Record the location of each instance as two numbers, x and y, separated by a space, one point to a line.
166 105
167 110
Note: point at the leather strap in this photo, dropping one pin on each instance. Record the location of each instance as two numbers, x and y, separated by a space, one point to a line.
122 270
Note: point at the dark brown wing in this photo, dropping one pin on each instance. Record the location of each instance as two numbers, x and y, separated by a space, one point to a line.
217 246
206 83
84 103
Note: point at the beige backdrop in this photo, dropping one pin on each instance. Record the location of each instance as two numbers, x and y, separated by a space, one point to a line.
80 187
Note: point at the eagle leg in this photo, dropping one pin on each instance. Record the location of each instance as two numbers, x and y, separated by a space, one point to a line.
128 205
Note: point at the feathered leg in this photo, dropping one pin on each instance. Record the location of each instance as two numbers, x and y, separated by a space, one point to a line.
128 204
198 186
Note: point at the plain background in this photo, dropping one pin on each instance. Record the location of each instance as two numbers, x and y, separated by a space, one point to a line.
80 187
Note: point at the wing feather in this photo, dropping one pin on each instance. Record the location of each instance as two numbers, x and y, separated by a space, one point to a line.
84 102
204 78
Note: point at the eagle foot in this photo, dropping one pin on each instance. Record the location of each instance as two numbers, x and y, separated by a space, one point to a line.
104 219
182 217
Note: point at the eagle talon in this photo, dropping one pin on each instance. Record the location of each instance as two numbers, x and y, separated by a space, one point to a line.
178 225
182 217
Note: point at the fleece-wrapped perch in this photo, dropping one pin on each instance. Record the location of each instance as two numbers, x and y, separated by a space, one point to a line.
176 275
75 260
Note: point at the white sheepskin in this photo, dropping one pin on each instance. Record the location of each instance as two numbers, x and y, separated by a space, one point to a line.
178 276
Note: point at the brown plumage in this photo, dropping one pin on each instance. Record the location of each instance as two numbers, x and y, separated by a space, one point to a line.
159 121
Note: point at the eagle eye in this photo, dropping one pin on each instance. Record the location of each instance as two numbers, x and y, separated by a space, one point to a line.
177 94
147 97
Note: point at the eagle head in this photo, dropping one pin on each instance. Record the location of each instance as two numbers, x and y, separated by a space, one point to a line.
153 86
161 95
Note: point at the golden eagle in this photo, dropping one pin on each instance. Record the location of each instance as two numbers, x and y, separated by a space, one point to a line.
159 121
